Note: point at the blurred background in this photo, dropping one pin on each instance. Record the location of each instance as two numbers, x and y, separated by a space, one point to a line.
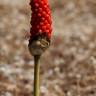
68 68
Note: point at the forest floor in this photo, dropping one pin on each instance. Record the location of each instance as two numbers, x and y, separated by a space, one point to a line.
68 68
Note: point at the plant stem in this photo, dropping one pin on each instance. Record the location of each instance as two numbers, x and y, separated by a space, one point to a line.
36 75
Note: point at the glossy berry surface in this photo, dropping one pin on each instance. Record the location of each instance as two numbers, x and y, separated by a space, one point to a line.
40 19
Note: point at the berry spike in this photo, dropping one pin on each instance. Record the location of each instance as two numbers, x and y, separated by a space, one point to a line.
40 19
40 24
40 35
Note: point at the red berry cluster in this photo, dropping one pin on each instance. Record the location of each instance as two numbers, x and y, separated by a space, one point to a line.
41 19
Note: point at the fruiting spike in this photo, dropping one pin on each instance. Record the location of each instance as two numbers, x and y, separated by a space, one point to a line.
40 30
40 35
41 19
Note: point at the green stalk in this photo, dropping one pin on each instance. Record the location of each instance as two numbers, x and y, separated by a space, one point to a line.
36 75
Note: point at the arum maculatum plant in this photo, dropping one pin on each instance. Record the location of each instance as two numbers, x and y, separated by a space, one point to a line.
40 35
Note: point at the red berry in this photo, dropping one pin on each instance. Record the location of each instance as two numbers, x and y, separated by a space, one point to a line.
39 15
36 4
40 9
